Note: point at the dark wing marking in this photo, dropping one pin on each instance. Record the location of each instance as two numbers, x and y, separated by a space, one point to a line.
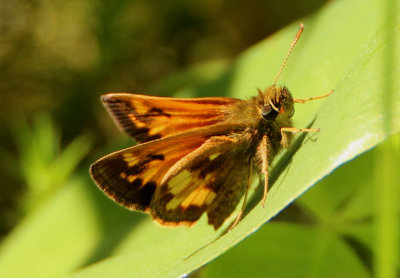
146 118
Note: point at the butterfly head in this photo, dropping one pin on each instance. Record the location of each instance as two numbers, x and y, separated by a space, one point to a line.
275 102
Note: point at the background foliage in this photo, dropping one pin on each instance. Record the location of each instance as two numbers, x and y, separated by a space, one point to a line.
57 57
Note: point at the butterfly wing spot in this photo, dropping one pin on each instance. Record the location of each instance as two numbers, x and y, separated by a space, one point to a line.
179 188
128 178
202 196
127 155
150 174
130 159
156 130
187 188
180 182
214 156
142 118
136 167
137 122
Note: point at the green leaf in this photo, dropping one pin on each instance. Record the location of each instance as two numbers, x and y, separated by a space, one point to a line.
342 48
45 243
74 228
289 250
44 165
346 56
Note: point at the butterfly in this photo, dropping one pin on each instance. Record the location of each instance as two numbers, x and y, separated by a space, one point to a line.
195 155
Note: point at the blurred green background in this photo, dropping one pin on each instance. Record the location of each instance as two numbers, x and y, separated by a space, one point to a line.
58 57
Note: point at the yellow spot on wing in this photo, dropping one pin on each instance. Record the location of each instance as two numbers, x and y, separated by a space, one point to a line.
157 129
188 189
149 175
131 178
138 123
173 204
200 197
178 184
130 159
214 156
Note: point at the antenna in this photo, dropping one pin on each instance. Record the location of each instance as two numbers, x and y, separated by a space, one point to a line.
296 38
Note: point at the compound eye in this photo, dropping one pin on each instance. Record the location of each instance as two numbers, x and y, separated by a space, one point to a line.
265 111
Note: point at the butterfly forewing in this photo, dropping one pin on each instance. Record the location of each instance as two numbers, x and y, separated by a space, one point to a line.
146 118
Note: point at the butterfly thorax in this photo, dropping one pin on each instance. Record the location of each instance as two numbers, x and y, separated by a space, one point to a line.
264 115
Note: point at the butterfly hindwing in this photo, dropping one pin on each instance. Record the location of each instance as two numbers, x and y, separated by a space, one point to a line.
212 185
146 118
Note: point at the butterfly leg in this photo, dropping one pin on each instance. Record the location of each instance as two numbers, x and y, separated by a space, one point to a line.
264 166
263 150
300 100
296 130
239 216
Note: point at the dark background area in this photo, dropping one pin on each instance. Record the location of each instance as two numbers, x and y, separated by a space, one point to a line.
58 57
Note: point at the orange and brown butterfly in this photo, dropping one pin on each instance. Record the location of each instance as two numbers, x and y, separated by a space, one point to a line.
196 155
